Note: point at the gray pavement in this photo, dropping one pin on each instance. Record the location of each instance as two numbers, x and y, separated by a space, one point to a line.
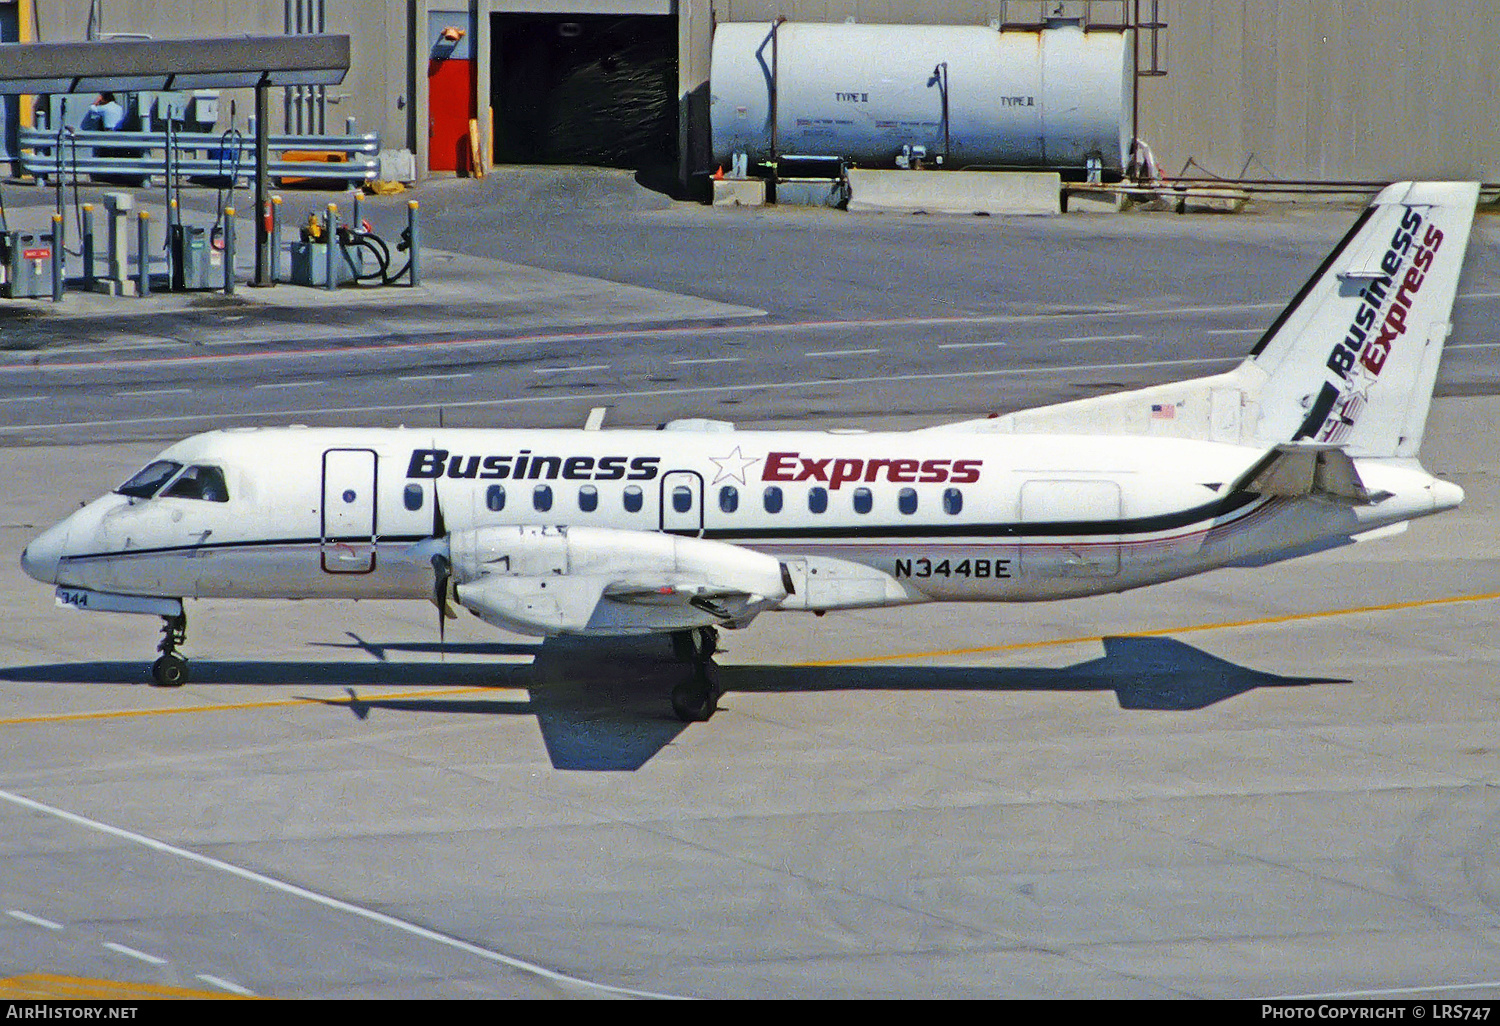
458 293
1249 784
1292 791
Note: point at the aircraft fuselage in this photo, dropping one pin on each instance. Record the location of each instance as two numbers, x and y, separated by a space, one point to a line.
343 513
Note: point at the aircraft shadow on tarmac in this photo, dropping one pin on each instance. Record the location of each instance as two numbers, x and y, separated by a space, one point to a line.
603 705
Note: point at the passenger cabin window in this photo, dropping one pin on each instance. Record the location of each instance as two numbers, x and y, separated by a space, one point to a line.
682 498
953 501
817 499
146 483
206 483
634 498
773 499
906 501
541 498
494 498
863 500
729 498
412 497
588 498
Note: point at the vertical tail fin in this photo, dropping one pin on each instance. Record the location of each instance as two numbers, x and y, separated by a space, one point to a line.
1352 360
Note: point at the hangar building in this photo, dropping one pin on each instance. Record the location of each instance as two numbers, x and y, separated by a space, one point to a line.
1291 89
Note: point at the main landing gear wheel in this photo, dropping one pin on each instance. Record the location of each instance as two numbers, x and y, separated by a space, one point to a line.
697 698
171 670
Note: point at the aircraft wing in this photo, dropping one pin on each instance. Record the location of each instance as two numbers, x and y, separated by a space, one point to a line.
574 604
1295 469
602 581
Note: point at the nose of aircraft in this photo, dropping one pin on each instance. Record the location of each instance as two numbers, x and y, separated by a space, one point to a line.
40 558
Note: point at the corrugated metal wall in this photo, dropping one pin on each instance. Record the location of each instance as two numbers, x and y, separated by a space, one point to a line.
1358 89
1336 89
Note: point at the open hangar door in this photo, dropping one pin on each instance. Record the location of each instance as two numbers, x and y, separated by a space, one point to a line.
585 89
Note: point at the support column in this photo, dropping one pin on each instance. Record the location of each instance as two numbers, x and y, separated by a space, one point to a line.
262 158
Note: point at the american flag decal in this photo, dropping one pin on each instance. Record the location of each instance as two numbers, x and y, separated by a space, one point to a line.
1160 411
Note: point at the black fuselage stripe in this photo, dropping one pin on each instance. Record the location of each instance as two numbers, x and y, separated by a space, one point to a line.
868 535
1051 529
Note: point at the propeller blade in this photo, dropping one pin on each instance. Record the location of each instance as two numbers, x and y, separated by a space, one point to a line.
442 581
442 570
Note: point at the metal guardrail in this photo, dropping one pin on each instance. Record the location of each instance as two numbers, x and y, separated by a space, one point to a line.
47 154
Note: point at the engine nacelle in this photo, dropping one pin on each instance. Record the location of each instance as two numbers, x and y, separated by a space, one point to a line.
605 552
584 580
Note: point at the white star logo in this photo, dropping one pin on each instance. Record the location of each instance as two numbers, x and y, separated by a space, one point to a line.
733 466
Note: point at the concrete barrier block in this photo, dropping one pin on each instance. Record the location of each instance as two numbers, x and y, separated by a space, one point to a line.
1211 200
1093 200
956 192
739 192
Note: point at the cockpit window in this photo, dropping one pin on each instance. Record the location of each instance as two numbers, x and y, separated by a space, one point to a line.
206 483
148 481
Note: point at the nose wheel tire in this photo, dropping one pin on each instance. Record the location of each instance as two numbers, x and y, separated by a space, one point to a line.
170 671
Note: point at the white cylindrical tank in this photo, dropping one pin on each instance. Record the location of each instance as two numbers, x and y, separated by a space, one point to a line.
1051 98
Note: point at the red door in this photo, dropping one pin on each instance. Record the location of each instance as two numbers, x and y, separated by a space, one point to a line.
451 99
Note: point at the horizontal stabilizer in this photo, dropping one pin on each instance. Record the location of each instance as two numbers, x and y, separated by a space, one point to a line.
1294 469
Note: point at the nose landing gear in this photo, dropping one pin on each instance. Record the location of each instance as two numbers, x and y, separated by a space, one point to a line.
171 670
697 698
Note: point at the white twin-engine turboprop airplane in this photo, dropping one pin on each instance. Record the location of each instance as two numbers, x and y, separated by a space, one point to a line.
1308 443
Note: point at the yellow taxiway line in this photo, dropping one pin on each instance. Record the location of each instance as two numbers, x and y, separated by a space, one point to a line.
46 987
1157 632
271 703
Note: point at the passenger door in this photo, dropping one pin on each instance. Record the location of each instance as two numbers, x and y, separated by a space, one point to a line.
348 522
682 502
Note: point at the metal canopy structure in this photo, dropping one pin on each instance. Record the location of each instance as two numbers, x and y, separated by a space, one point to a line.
130 65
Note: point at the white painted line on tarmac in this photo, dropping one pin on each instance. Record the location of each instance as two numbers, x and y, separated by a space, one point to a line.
157 391
971 345
716 359
222 984
288 384
843 352
321 899
1388 992
1094 338
565 370
27 917
435 377
646 393
20 399
696 331
133 953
